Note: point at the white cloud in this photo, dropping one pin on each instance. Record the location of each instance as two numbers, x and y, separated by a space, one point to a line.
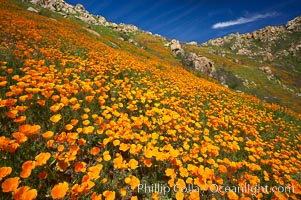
243 20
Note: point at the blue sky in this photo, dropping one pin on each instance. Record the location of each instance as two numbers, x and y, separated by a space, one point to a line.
195 20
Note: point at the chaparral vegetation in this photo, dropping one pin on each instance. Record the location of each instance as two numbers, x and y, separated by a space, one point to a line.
82 120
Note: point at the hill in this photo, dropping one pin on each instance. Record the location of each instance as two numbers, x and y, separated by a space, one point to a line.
88 115
267 62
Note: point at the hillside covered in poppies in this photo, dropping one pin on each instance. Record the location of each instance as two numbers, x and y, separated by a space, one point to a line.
85 115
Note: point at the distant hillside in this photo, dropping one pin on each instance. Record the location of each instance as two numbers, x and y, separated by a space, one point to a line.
274 51
265 63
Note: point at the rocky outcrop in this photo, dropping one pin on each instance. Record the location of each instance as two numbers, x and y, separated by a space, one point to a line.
55 5
200 64
31 9
192 60
82 14
175 47
126 28
294 24
193 43
269 43
268 72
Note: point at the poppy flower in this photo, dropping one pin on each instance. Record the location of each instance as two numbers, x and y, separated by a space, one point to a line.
42 158
5 171
80 167
133 164
133 181
106 156
27 168
47 135
179 196
94 151
109 195
20 137
59 190
56 118
25 193
123 192
232 195
10 184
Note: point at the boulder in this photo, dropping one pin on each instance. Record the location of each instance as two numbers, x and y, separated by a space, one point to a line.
200 64
176 48
31 9
244 51
80 8
294 24
193 43
266 70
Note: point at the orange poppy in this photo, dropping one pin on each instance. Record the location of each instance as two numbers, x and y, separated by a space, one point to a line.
80 167
5 171
69 127
133 164
222 169
56 118
20 119
94 171
25 193
47 135
106 156
96 197
179 196
27 167
133 181
59 190
20 137
42 158
94 151
123 192
232 195
10 184
109 195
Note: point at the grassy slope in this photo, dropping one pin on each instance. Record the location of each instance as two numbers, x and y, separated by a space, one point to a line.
101 120
248 69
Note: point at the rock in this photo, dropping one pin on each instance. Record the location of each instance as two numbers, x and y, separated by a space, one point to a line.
294 49
215 42
133 42
193 43
80 8
246 83
92 31
166 44
267 56
223 81
200 63
294 24
244 51
176 48
101 19
115 46
266 70
125 28
31 9
236 61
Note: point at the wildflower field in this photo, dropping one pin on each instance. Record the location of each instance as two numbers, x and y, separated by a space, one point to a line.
81 120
